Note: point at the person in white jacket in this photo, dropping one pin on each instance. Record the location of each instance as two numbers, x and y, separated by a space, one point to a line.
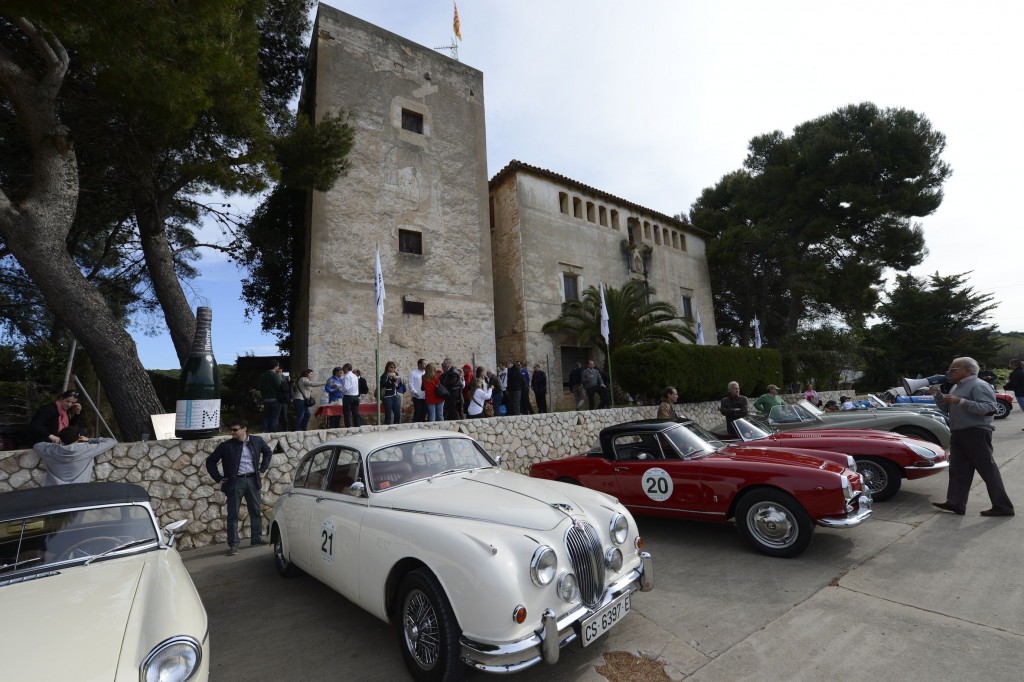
71 460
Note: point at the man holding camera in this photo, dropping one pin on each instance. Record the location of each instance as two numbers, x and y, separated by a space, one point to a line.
970 404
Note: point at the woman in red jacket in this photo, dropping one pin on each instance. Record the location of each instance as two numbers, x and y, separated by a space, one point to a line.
435 403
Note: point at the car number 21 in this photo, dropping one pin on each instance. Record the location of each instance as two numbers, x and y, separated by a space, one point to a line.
327 541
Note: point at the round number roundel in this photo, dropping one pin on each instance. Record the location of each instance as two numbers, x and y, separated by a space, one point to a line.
657 484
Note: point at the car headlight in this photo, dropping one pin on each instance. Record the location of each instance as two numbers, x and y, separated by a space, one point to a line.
920 450
173 660
543 566
613 559
619 529
568 588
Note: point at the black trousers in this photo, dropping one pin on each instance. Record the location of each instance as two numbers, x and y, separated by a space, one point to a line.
970 450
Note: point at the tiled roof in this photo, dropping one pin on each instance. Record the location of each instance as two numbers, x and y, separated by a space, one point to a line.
514 166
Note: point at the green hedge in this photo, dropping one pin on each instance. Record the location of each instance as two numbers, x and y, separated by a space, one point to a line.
699 373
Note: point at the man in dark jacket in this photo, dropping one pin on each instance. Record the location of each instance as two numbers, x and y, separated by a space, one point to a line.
516 387
451 377
733 406
540 388
243 458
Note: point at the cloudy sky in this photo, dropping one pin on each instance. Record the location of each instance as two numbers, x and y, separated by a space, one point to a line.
654 101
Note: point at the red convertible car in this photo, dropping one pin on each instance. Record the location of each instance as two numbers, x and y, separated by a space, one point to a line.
776 495
883 458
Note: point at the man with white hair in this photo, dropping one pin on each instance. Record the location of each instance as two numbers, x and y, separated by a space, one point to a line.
733 406
970 404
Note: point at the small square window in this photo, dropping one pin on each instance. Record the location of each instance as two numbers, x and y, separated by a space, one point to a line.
412 121
571 286
410 242
412 307
687 298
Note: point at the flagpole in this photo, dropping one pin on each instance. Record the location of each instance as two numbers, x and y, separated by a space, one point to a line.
606 333
377 277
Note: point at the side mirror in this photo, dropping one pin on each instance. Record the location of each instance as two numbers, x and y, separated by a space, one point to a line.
173 529
358 489
497 461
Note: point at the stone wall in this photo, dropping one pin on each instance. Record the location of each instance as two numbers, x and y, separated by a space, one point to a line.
174 472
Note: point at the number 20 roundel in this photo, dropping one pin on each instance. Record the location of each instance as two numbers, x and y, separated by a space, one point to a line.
657 484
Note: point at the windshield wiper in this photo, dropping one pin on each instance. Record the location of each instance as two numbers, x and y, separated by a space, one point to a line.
19 563
125 545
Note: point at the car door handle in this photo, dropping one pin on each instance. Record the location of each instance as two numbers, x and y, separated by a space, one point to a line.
320 499
621 469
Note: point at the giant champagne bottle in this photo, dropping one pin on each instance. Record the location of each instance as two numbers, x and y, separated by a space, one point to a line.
198 408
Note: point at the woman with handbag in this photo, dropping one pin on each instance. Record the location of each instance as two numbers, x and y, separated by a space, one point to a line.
303 400
390 390
478 400
432 389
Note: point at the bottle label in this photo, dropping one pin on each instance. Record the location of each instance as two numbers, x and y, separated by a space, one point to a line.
195 415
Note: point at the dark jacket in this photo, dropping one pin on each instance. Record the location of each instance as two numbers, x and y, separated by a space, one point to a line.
230 453
516 381
1016 382
540 381
452 381
44 423
576 377
733 408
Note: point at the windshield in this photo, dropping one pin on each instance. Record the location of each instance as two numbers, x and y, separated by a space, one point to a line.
691 441
806 405
40 542
407 462
749 430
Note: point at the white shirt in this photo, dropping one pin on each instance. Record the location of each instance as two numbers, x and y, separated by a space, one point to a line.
416 384
350 384
503 380
476 405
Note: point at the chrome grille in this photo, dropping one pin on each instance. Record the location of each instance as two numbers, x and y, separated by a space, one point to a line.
584 548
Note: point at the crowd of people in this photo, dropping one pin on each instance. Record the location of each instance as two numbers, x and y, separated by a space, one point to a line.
438 392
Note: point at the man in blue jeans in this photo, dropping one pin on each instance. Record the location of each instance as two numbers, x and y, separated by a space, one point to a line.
243 458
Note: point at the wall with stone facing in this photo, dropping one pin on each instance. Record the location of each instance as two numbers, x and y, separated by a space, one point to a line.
174 471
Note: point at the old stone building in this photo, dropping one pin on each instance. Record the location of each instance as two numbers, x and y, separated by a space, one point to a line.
552 237
417 187
472 269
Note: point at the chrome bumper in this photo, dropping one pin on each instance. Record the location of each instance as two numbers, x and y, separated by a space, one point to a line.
932 467
554 633
854 517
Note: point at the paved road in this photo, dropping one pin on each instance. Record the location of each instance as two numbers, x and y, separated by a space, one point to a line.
914 594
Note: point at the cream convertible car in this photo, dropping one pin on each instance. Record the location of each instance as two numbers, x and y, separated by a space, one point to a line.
90 589
473 565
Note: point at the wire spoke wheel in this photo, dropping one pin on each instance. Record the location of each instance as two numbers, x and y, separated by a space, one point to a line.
421 629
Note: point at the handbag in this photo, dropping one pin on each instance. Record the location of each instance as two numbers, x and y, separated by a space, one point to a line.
488 409
310 402
401 388
442 391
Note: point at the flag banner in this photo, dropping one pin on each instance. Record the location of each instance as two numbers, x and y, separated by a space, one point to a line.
456 26
604 318
757 333
700 330
378 290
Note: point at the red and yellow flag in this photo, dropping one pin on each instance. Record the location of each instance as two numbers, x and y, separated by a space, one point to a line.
456 26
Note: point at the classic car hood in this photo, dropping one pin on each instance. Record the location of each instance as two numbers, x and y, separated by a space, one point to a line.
69 626
494 496
752 453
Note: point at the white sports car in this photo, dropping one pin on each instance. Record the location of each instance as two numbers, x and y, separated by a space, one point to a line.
90 589
473 565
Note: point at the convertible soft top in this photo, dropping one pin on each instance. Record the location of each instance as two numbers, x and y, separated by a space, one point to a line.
35 501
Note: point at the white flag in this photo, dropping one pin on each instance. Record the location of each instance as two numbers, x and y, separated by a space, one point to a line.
757 333
700 331
604 318
378 290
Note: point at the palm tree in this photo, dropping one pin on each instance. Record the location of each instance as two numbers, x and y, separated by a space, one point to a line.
632 318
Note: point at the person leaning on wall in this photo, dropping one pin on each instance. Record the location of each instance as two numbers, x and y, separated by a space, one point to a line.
50 419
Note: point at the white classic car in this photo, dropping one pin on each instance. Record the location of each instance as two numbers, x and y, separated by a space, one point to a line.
473 565
91 589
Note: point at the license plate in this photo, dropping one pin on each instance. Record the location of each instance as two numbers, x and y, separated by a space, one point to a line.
597 624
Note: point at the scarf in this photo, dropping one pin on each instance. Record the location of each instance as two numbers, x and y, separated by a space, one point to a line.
63 420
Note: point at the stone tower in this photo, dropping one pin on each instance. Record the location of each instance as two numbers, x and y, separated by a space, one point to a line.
417 187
